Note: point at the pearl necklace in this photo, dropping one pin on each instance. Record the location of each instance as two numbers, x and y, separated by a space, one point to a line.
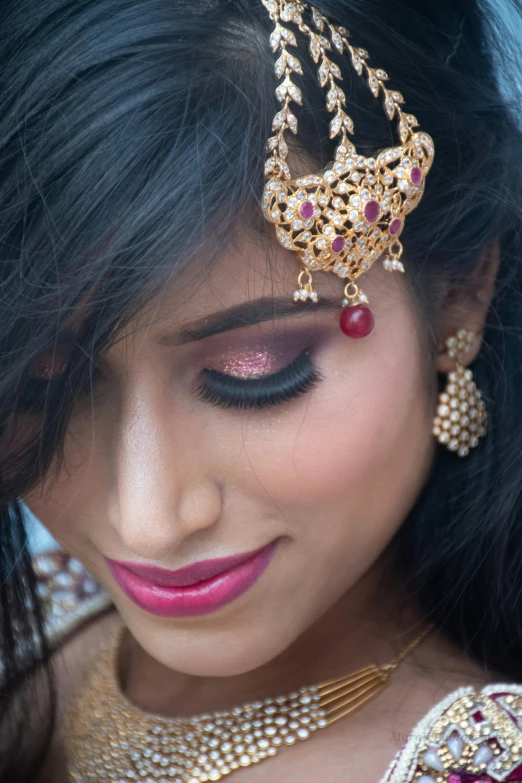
109 739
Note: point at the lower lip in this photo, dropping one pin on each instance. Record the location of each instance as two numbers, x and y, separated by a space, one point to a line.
193 600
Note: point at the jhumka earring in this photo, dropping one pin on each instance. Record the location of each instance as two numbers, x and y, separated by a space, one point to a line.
461 418
345 217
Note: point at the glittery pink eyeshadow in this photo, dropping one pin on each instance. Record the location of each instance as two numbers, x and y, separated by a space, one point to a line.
50 364
249 365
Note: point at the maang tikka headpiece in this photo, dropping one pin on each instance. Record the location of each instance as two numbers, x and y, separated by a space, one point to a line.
346 217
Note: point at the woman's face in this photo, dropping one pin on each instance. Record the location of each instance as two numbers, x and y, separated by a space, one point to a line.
160 469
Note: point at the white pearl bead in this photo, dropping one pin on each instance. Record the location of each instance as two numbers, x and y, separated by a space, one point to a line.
454 742
483 755
432 759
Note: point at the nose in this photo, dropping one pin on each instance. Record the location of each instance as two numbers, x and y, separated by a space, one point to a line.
162 491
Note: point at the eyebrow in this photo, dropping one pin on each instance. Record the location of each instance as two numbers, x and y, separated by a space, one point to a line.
243 315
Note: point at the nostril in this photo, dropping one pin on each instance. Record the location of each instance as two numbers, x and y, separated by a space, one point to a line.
148 537
200 505
153 528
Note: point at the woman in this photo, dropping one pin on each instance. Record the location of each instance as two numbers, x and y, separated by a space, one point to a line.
258 493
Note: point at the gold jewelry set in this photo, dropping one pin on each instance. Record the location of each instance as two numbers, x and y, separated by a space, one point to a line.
109 739
339 220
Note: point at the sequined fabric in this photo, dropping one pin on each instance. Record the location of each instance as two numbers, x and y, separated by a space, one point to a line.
69 594
469 737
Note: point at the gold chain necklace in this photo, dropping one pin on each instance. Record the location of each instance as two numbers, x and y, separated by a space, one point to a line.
109 739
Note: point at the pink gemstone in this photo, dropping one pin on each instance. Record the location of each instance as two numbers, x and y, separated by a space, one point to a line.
454 778
338 244
395 226
356 321
371 211
306 209
416 175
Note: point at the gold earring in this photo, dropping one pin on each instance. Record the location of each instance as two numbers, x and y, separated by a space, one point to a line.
461 418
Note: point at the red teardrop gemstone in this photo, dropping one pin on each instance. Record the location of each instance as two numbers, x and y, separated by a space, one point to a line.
357 321
416 175
306 209
395 225
338 244
371 211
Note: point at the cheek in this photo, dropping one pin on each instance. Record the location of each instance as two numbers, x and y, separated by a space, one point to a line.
355 455
73 495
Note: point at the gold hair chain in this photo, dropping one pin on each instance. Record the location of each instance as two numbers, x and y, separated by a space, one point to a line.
344 218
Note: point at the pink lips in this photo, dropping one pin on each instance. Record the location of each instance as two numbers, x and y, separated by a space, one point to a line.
197 589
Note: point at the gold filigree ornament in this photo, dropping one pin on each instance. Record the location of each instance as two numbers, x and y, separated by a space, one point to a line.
352 213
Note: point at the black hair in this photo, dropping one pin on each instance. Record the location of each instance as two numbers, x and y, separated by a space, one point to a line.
132 138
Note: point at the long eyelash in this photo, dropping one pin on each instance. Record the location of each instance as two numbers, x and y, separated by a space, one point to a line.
286 384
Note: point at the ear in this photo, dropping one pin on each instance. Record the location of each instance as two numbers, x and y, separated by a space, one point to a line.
466 307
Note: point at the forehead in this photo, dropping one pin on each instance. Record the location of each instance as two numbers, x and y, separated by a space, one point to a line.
252 267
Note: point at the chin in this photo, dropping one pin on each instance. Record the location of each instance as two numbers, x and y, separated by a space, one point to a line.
213 651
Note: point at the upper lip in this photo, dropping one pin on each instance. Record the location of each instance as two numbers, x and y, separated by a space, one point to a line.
189 574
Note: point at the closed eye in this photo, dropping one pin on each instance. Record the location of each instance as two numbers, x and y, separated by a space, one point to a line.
288 383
